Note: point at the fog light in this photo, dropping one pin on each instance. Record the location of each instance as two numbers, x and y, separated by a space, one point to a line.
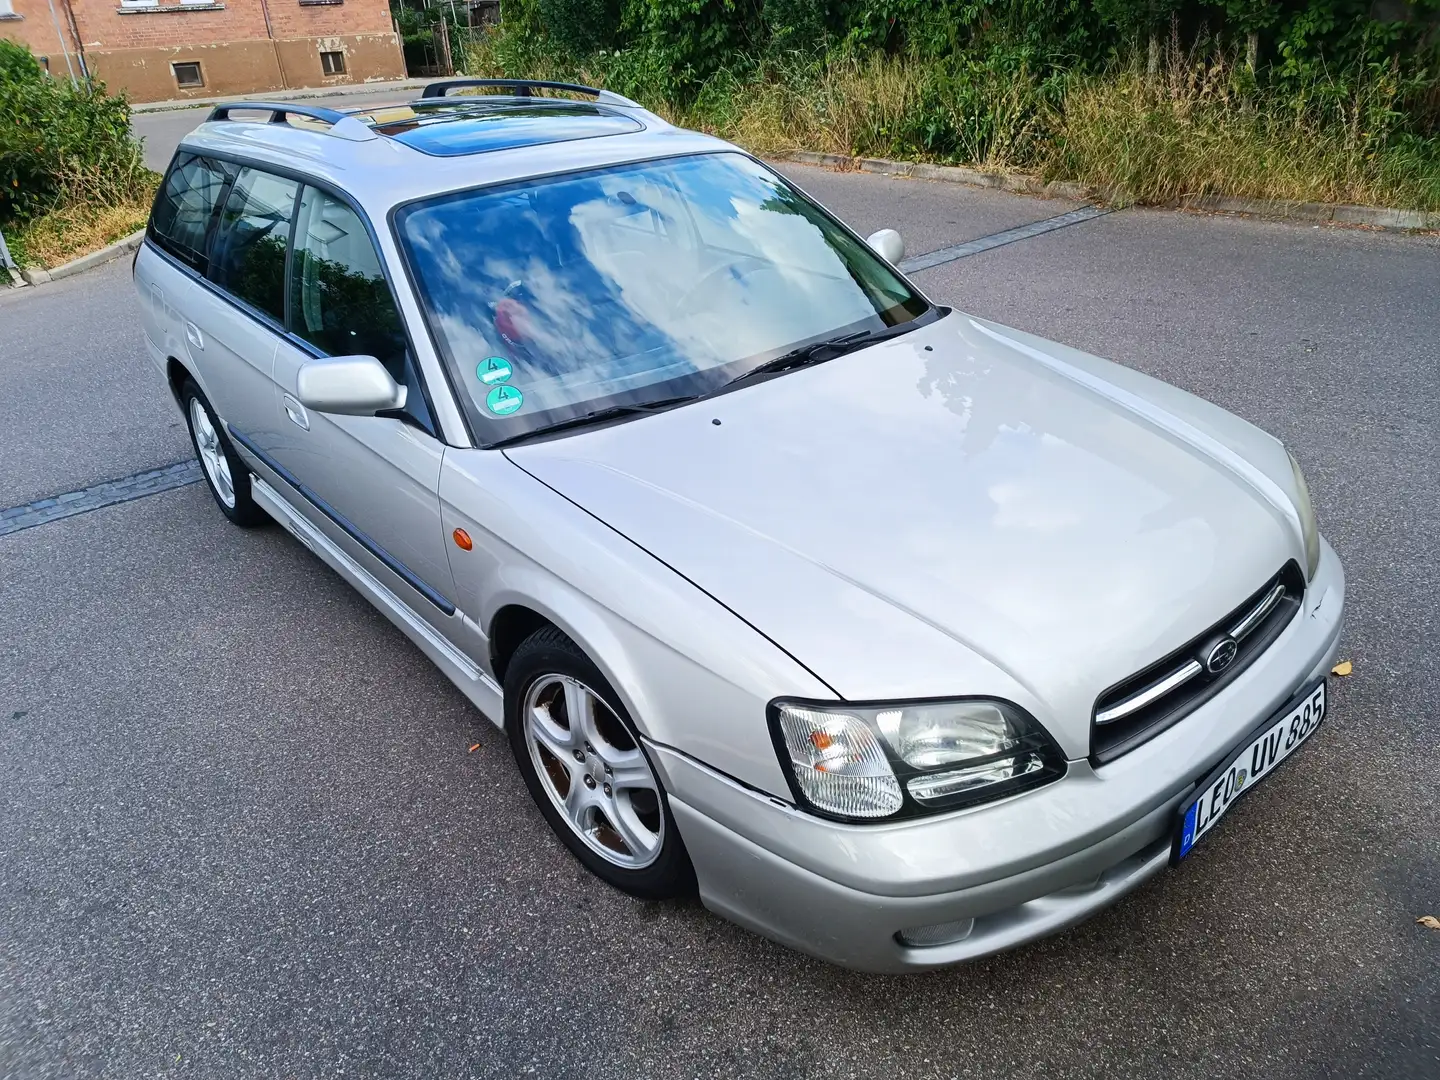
945 933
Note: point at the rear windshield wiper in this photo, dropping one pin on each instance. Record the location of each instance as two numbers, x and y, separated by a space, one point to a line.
597 416
819 351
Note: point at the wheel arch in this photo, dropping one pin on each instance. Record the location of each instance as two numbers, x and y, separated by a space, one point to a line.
509 627
540 601
175 374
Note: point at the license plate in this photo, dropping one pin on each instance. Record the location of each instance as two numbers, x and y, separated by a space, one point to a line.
1256 758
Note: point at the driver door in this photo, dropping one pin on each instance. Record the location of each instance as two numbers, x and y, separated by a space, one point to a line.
371 483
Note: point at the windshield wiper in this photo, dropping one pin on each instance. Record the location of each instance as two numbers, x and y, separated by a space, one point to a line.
819 351
596 416
806 354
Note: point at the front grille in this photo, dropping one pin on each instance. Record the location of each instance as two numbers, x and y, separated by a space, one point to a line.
1139 708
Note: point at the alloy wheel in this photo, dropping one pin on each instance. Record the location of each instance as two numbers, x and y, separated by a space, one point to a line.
593 771
212 454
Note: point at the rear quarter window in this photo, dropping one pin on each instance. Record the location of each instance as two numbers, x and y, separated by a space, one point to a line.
185 208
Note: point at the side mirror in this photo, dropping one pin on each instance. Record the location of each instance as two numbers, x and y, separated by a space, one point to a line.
349 385
888 244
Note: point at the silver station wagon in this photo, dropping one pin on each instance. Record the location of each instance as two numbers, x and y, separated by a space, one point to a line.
901 636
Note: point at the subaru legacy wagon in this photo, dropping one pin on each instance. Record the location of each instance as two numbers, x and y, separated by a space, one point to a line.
901 636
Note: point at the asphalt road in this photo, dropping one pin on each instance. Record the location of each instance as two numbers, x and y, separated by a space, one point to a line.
162 131
242 834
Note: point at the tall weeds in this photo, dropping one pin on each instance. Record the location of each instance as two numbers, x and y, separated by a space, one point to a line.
1199 125
1202 127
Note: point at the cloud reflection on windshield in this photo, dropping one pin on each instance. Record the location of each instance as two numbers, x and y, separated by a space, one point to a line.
603 284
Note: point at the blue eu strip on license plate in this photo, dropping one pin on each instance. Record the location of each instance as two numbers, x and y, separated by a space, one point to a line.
1255 758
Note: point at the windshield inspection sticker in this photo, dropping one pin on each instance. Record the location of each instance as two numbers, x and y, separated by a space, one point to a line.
504 400
495 369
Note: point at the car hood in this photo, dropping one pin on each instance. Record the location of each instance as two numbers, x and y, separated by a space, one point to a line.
961 510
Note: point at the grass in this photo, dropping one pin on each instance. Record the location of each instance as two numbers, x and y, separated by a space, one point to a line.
1200 126
1134 139
888 107
75 230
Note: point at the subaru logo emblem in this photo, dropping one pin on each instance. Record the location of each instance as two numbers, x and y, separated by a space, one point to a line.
1220 655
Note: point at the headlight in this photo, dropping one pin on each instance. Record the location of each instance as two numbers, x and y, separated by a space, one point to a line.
901 759
1307 520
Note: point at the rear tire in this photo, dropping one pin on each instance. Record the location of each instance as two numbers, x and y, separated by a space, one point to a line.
588 772
227 477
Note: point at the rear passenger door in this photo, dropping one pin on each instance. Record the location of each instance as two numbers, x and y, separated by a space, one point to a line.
237 316
180 225
371 482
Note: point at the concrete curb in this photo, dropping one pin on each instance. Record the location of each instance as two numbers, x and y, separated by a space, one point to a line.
1018 183
85 262
378 87
1337 213
1373 216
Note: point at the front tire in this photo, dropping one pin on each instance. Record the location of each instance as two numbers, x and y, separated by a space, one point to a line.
225 474
588 772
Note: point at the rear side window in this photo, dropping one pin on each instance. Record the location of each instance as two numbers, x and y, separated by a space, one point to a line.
340 301
185 206
247 256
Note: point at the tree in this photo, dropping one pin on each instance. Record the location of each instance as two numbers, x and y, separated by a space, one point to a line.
1250 17
1136 18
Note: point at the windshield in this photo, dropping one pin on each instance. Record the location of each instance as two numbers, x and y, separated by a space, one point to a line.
560 297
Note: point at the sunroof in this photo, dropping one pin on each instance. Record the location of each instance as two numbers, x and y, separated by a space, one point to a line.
452 127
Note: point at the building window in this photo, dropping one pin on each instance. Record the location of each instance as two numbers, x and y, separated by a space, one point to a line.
7 11
154 7
187 75
332 63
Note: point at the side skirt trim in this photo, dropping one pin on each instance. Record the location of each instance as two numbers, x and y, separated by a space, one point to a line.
393 564
479 687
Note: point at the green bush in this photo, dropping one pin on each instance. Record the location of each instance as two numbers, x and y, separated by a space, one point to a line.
579 27
1143 99
61 144
18 64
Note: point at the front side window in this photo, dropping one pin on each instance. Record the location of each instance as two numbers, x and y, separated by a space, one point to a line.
340 301
557 298
247 258
180 222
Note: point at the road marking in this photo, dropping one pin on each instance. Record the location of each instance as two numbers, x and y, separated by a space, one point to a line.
136 486
1000 239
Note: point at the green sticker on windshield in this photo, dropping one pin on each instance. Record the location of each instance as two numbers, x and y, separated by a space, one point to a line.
504 400
494 369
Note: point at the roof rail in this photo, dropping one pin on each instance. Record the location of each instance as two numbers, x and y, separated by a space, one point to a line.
342 125
523 88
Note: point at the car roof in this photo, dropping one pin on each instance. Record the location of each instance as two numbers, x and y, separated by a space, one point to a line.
389 155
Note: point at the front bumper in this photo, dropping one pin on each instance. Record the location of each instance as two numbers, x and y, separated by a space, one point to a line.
1021 868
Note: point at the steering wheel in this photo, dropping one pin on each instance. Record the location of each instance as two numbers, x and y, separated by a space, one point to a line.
751 263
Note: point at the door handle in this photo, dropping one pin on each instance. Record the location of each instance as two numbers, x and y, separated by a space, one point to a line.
193 335
296 412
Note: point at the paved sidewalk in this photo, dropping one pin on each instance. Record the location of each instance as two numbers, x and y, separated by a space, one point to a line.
380 87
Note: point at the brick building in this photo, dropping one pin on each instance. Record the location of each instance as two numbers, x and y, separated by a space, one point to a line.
161 49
